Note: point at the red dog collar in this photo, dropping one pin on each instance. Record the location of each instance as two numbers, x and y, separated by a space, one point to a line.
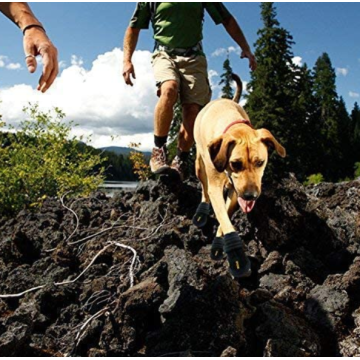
246 122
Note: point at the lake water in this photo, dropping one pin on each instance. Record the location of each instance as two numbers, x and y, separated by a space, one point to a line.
110 188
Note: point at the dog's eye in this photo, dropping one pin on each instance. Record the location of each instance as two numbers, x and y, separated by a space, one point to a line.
259 163
237 165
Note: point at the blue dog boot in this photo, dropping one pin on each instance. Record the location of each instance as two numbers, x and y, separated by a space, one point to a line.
217 249
239 264
201 215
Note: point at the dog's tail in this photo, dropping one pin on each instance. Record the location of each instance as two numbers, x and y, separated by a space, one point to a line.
239 88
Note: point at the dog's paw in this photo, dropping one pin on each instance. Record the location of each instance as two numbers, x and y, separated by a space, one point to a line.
217 249
201 216
239 264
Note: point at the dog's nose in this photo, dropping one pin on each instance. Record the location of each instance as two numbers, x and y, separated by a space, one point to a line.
250 195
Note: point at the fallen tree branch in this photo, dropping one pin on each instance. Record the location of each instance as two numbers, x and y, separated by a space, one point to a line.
74 213
131 271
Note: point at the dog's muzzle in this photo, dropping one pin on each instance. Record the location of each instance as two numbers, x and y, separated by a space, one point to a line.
247 200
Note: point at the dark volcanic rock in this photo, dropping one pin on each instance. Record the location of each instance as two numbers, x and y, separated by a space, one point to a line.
326 306
301 300
283 333
197 292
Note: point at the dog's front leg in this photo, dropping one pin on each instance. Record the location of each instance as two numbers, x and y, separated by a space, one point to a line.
231 206
239 264
218 203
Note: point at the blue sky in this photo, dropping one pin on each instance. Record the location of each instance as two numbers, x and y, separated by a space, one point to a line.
84 31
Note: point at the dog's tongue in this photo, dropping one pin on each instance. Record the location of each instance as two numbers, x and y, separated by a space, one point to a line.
246 206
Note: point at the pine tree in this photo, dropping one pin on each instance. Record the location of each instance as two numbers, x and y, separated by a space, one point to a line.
327 112
346 162
272 87
226 80
307 126
355 132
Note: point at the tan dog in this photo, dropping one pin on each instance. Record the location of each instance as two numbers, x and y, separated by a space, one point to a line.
232 154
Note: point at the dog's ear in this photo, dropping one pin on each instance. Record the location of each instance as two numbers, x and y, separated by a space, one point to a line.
268 139
219 150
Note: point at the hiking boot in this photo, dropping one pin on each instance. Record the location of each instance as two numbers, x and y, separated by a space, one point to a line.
180 166
158 160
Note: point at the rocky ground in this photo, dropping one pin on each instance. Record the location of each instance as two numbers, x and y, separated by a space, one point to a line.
92 296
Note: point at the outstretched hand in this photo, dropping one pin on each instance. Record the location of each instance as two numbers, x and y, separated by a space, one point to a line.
36 43
252 60
128 72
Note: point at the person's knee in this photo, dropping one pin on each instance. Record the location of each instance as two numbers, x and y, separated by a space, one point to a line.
169 91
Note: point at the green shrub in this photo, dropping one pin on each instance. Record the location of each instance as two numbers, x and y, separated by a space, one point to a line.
139 163
357 170
39 158
314 179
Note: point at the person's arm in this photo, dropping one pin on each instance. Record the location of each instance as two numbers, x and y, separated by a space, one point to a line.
139 20
35 42
19 13
234 30
130 41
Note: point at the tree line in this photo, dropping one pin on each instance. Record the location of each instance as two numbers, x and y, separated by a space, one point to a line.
118 167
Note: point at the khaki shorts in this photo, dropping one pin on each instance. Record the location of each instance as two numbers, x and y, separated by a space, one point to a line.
189 72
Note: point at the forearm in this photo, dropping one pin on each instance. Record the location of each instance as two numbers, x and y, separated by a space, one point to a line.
19 13
234 30
130 42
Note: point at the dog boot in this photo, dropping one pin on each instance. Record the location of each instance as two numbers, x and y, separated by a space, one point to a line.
201 215
239 264
217 249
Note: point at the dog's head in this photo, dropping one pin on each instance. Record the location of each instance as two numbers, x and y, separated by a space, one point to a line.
244 154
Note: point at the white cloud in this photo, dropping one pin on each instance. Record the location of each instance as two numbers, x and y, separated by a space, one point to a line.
7 64
224 51
219 52
77 61
243 102
3 59
342 71
353 94
297 60
13 66
62 64
213 83
97 99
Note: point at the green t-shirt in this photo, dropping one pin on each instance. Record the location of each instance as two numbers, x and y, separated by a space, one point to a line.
177 24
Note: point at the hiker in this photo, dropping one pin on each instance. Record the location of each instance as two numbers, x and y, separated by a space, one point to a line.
35 42
179 66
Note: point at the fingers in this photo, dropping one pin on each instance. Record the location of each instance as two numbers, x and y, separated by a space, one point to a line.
253 63
36 43
30 59
50 67
31 63
129 72
128 79
252 59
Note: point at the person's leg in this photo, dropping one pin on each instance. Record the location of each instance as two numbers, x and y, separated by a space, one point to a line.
186 133
164 110
195 93
165 74
162 121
